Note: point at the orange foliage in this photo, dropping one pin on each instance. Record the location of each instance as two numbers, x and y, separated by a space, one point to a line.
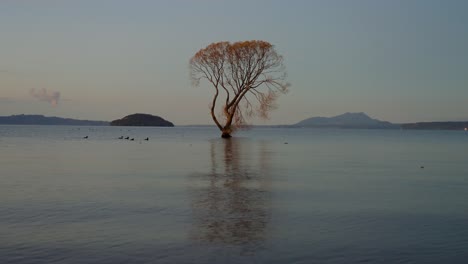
249 74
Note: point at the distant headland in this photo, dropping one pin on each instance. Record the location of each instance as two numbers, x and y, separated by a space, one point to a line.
437 126
47 120
141 120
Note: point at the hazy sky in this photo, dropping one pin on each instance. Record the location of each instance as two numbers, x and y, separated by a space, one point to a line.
397 60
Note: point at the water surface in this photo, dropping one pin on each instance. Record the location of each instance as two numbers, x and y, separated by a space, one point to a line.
187 196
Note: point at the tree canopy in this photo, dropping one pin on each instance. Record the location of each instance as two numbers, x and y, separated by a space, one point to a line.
247 77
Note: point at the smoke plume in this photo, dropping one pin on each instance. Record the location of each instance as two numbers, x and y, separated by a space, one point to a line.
47 96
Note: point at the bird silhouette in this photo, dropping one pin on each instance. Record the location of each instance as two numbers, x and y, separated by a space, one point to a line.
146 139
85 137
127 138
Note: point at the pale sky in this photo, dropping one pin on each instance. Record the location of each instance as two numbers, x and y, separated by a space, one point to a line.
396 60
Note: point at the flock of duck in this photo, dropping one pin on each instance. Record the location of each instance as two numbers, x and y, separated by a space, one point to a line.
121 137
131 139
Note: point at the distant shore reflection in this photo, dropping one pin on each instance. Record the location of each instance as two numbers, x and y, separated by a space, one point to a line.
231 204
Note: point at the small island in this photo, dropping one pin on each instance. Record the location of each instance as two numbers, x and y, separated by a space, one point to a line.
142 120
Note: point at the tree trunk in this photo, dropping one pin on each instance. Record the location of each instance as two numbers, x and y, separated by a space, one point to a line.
227 130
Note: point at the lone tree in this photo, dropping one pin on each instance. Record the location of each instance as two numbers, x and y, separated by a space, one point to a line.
247 77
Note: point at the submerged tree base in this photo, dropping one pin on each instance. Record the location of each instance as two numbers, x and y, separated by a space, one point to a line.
226 135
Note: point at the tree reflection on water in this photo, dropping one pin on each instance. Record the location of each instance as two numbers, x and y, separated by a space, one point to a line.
231 204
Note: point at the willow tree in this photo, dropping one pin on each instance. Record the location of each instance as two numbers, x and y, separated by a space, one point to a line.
247 78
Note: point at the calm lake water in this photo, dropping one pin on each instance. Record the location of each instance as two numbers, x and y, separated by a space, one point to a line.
187 196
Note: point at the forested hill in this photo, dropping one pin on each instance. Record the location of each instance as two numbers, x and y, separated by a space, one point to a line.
142 120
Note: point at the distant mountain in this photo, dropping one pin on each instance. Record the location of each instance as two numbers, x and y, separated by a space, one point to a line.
142 120
347 120
45 120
